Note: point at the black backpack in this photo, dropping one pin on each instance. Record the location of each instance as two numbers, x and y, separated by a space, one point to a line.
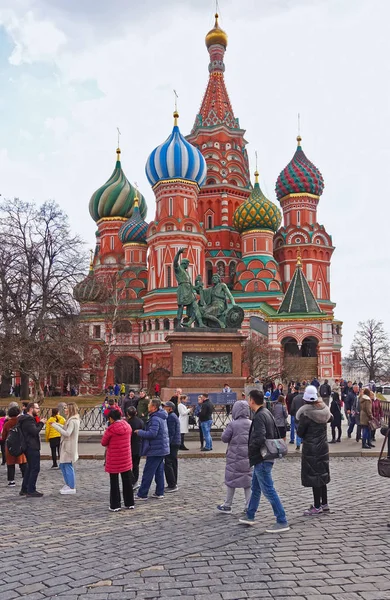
15 441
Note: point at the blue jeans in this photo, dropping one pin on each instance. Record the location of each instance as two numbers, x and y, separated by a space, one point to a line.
262 483
68 474
206 428
154 467
366 435
293 432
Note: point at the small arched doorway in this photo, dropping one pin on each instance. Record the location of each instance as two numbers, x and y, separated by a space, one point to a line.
127 370
290 347
309 347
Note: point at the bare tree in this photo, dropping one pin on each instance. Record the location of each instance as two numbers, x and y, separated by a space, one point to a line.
111 311
370 349
41 262
261 360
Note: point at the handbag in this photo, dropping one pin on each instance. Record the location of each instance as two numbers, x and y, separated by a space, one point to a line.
374 423
274 448
384 463
191 420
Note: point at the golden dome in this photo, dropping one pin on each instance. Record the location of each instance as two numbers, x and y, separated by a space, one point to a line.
216 35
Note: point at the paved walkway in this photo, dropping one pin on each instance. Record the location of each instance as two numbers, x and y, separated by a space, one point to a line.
72 548
347 447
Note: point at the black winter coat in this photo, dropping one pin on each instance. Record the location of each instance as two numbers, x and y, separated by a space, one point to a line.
31 429
335 409
315 453
136 442
263 428
206 411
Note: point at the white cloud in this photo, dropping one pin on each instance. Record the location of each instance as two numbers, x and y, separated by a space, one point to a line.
58 125
34 39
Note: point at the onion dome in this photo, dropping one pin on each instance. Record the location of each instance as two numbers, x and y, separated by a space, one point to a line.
116 197
134 230
257 212
216 35
91 289
300 176
176 159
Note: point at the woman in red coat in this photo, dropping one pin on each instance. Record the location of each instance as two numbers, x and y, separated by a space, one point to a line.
117 440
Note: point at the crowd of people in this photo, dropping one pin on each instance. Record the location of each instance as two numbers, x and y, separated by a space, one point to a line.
137 426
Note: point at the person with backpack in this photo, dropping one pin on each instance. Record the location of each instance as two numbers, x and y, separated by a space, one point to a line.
325 392
54 437
11 422
28 430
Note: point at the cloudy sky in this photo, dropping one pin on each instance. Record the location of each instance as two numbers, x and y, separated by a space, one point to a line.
74 70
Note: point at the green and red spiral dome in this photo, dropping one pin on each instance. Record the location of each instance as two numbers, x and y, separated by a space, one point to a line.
300 176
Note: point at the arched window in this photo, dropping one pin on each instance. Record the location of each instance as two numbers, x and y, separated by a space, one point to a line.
254 245
169 276
209 221
166 324
112 243
221 268
209 272
123 327
157 325
185 207
170 207
127 370
319 289
149 325
175 323
143 326
298 217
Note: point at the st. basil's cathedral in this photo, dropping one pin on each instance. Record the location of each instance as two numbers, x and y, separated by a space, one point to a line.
207 203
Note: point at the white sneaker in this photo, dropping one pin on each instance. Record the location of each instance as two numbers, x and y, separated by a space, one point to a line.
68 491
65 487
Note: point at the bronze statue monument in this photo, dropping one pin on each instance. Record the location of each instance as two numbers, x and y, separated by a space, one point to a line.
213 309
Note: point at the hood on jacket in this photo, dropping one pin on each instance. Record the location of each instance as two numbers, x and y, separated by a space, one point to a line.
365 397
120 427
240 409
161 414
318 413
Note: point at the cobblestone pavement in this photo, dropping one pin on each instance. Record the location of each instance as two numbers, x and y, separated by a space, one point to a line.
71 547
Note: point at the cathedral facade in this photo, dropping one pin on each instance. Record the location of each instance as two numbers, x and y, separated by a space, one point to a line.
207 204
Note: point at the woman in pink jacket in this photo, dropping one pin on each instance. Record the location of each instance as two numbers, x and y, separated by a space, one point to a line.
117 440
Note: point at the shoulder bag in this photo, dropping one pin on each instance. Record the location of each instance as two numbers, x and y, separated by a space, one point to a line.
384 462
274 448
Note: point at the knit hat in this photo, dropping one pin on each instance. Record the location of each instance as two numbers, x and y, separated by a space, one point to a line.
310 394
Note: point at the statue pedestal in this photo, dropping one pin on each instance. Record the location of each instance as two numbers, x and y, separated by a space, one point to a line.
204 360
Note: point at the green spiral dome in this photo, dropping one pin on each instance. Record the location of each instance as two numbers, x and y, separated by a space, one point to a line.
116 197
257 212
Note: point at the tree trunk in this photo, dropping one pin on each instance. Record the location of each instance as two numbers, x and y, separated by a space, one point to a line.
5 386
24 387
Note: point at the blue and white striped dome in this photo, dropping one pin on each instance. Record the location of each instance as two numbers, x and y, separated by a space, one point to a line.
176 158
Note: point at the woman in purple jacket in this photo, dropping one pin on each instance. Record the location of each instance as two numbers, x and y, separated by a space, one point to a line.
238 473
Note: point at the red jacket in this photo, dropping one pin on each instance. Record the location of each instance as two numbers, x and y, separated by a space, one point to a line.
110 408
117 438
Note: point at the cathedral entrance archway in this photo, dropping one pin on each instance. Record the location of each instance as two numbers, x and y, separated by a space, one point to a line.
290 347
309 347
127 370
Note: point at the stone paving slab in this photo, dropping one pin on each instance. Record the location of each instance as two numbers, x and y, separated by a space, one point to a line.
71 547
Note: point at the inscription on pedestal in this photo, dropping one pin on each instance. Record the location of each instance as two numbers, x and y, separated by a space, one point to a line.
207 362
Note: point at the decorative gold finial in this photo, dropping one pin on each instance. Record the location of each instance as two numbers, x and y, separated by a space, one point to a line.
299 258
175 113
91 260
299 139
256 172
136 199
118 150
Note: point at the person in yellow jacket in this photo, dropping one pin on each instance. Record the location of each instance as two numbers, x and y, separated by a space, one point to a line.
123 389
53 436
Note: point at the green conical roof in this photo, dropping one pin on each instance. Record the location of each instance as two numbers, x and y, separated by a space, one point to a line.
299 298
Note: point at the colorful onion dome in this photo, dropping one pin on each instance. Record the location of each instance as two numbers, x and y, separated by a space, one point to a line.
257 212
216 35
176 158
116 197
300 176
134 230
91 289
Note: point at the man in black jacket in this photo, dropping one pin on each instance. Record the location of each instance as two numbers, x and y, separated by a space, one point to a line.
30 430
325 392
263 428
206 420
